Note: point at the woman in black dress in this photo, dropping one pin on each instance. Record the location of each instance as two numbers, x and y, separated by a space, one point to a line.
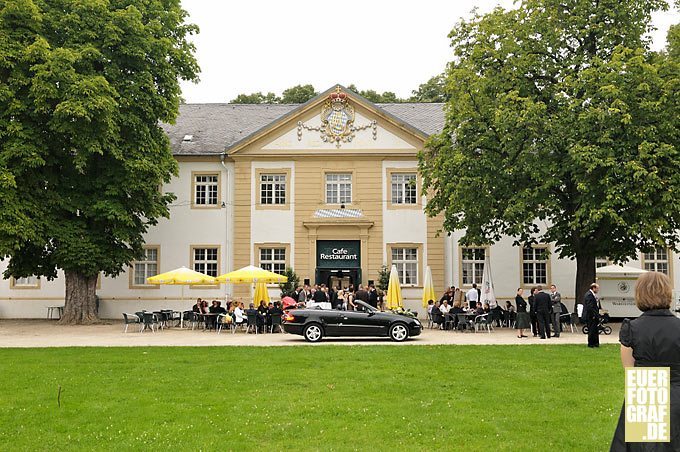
523 320
652 340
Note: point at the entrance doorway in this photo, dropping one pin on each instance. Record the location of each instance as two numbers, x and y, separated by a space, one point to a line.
338 277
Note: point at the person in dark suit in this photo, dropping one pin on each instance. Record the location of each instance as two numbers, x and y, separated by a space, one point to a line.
361 294
652 340
543 308
372 296
321 296
532 312
591 313
333 295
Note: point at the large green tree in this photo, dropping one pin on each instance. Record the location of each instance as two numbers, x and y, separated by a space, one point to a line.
84 86
562 127
256 98
432 90
298 94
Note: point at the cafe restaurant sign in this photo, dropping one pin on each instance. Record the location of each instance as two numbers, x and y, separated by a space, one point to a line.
338 253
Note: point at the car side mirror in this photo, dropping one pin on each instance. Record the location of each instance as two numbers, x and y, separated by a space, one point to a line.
371 313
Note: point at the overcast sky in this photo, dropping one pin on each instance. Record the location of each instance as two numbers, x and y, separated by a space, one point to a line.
258 45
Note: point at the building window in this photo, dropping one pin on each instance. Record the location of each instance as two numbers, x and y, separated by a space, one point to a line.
29 282
206 188
339 188
601 262
406 261
206 261
404 189
656 261
472 264
534 265
273 259
145 267
273 189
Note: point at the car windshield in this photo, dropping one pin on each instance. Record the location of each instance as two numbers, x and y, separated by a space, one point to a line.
367 307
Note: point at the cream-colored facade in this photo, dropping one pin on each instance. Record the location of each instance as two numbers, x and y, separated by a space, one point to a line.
259 185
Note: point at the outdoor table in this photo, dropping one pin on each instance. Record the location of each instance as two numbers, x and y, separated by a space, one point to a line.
469 319
207 316
51 309
449 318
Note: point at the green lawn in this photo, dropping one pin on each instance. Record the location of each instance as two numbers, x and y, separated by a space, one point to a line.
311 398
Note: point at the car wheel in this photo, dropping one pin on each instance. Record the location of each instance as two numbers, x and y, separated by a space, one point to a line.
313 332
399 332
607 330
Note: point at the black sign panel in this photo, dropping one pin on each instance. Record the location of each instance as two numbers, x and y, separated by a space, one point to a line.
338 253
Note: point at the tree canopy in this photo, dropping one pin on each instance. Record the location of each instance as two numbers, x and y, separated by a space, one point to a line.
561 127
430 91
84 86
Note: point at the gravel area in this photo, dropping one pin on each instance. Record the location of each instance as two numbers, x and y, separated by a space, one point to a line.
46 333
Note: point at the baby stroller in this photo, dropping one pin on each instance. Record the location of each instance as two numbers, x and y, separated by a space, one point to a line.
602 327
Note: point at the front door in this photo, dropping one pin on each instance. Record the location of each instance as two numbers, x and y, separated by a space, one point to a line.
334 277
342 282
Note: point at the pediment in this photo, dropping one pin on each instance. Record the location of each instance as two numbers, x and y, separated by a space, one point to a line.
337 121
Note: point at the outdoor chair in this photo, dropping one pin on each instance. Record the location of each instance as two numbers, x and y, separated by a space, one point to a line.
235 326
168 317
220 324
463 323
276 322
567 320
251 322
449 321
130 319
150 321
483 321
430 322
162 318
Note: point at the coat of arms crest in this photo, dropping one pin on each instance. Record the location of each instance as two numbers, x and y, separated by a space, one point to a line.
337 120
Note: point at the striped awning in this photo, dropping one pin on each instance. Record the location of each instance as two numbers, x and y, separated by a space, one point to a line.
338 213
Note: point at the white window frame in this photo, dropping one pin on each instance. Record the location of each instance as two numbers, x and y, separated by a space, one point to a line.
338 188
206 190
602 262
203 262
404 188
474 272
273 259
404 264
275 186
656 260
145 265
534 263
28 282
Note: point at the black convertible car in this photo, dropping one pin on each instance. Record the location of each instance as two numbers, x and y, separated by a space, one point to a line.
314 324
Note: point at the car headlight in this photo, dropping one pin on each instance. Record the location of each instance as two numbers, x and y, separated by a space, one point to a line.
417 322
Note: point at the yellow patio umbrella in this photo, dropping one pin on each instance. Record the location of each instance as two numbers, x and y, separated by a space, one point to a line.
181 277
251 274
428 288
394 299
261 293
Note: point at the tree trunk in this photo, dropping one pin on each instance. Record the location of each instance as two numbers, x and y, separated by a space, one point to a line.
80 307
585 276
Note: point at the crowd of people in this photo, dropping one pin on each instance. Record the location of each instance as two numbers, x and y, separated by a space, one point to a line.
339 298
542 318
235 314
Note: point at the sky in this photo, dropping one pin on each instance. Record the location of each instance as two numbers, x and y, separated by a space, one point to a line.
256 45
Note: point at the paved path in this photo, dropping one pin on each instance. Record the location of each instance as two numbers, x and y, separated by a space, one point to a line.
45 333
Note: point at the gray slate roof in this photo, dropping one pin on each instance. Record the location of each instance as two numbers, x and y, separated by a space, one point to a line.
216 127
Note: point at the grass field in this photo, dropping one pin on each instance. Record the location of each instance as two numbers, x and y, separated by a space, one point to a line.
310 398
